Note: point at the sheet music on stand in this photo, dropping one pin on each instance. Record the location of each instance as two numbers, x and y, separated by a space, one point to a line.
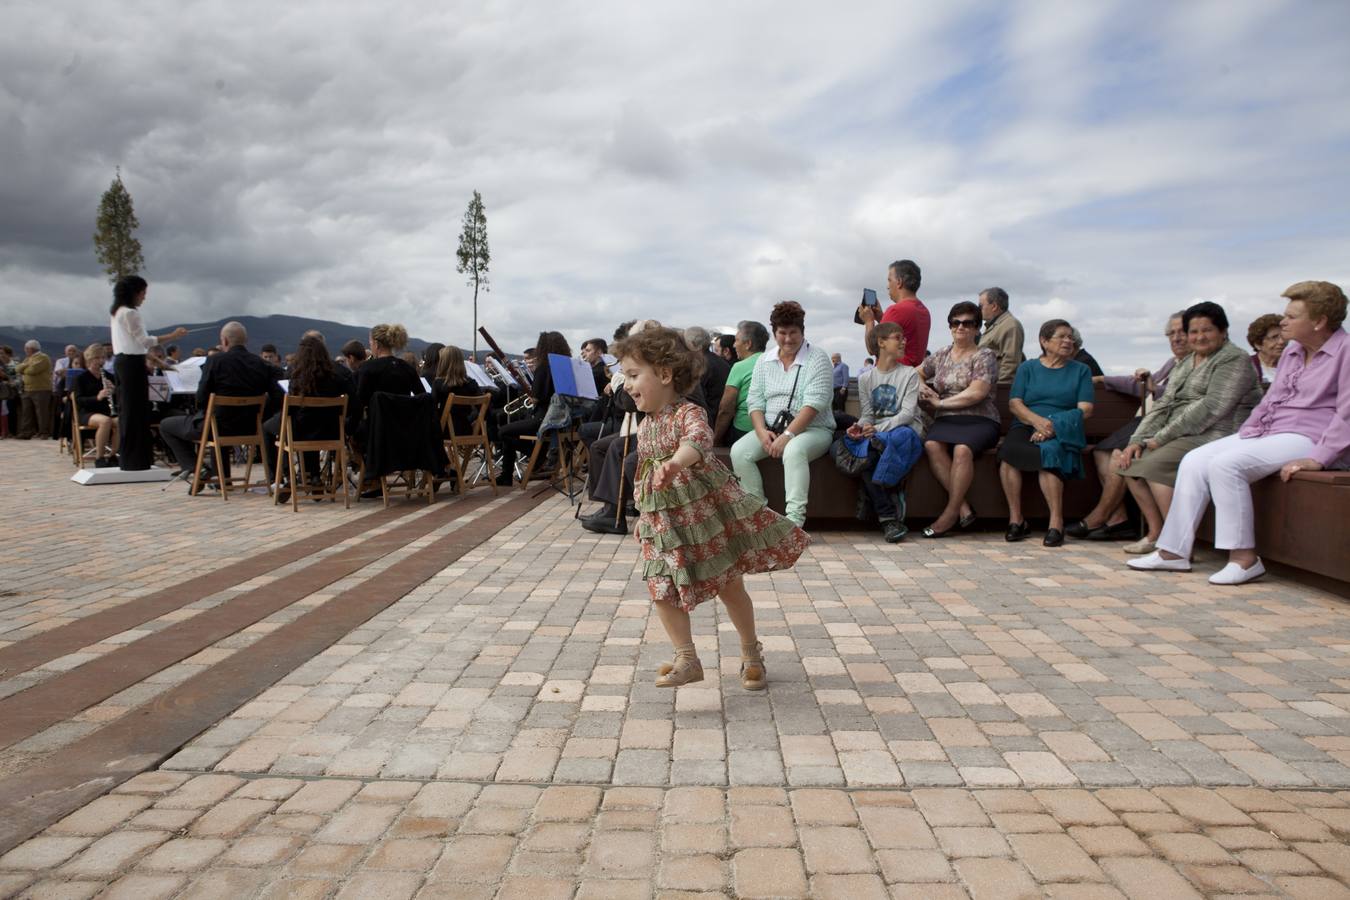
572 377
501 372
479 374
160 390
184 379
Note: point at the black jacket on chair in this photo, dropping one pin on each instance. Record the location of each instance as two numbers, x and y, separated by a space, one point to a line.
238 373
403 434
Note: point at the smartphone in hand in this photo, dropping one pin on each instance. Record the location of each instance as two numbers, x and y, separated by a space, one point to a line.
869 298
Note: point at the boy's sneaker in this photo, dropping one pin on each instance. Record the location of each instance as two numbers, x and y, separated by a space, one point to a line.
894 531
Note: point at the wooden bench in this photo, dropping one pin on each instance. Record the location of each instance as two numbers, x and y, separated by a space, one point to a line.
833 497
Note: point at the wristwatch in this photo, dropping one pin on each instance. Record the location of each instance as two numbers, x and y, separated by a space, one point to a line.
789 432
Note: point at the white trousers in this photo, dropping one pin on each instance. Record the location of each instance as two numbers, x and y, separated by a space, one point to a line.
1223 471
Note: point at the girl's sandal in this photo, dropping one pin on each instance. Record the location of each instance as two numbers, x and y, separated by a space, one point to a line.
754 675
686 669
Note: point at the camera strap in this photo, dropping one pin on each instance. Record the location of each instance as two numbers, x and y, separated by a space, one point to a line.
793 393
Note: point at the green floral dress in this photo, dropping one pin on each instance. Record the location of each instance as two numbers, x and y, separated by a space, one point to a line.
702 530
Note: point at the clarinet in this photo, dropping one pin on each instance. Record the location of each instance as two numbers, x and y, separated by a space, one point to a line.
112 393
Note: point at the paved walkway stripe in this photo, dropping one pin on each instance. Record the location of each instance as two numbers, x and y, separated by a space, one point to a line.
53 701
32 652
69 778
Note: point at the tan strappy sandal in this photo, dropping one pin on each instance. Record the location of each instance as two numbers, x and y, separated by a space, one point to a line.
754 674
686 668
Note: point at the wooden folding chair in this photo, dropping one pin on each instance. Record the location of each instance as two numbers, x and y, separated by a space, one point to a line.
77 432
214 440
462 447
569 443
294 452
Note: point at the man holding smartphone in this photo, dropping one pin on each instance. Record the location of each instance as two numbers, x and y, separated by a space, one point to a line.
902 281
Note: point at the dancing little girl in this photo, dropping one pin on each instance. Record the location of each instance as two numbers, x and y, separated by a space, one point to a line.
700 533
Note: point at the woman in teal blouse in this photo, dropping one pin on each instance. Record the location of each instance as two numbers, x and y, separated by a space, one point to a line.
1048 393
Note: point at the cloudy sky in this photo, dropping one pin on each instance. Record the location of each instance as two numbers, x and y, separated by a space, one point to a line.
694 162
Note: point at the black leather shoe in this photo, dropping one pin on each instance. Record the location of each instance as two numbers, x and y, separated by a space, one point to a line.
1054 538
1079 530
606 526
1017 531
930 532
630 511
603 514
966 521
1121 531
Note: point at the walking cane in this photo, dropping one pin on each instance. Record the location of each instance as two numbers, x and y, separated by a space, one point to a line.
623 465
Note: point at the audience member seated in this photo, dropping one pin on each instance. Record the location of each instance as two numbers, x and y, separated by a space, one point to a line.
383 371
1084 357
93 391
613 456
1267 338
733 413
1302 424
716 370
233 373
269 355
1051 396
1002 334
890 430
1210 394
726 348
790 393
959 394
452 380
541 392
313 375
607 417
1108 520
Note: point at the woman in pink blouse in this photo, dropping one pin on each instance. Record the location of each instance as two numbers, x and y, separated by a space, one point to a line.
1302 424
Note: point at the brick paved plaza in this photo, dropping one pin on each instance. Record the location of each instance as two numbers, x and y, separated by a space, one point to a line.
456 701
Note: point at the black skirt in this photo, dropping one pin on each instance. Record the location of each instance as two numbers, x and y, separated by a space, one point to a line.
979 433
1120 438
1018 451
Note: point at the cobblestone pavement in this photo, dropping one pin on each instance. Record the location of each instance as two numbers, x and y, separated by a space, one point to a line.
945 719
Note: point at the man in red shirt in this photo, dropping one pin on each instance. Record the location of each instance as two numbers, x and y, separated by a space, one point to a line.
908 311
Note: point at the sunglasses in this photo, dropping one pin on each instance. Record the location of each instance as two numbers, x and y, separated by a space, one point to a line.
963 323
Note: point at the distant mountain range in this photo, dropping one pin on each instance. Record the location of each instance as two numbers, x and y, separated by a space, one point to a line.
284 331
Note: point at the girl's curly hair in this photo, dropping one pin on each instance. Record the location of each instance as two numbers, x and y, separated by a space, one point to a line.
663 348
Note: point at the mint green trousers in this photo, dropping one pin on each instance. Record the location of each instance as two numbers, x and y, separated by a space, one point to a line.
797 457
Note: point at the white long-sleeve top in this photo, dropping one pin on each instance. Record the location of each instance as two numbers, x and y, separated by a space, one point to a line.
128 333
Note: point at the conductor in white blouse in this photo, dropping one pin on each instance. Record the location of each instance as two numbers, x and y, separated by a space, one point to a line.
131 343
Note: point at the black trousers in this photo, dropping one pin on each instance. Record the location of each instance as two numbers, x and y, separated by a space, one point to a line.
510 435
607 461
135 447
272 434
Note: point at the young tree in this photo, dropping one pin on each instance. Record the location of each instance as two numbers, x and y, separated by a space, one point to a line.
115 242
474 256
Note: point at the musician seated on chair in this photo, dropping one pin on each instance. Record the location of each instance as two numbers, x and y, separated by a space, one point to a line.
235 372
313 375
453 381
93 392
384 371
541 392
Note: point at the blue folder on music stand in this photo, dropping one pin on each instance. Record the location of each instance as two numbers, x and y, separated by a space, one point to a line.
572 377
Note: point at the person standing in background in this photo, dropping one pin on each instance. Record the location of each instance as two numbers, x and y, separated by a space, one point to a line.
1002 333
902 281
840 381
36 403
135 450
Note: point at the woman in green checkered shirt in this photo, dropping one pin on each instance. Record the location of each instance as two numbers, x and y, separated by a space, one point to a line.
793 388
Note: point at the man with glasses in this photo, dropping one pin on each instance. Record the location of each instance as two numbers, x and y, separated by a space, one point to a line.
1002 333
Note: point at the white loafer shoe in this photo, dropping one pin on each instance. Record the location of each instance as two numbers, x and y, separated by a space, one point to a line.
1155 562
1235 574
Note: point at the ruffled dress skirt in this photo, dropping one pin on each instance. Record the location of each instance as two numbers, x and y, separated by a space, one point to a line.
703 531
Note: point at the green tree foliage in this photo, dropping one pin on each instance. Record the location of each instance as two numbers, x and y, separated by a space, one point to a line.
474 255
115 241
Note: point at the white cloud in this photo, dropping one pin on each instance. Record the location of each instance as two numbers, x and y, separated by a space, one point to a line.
695 163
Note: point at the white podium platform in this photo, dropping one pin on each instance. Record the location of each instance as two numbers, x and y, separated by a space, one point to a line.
117 476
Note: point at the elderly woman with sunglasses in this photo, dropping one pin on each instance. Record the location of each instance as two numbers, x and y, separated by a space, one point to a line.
958 392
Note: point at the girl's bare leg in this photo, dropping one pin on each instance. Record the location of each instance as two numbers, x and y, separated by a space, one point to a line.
686 668
741 611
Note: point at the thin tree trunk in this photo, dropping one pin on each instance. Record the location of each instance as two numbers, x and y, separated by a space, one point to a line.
475 318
